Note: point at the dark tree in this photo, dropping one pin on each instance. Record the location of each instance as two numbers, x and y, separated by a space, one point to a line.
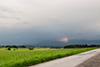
9 48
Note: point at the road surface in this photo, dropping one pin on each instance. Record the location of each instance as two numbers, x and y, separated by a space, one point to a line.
71 61
92 62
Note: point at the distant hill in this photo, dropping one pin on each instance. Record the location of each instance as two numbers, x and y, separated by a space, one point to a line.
84 42
60 43
56 43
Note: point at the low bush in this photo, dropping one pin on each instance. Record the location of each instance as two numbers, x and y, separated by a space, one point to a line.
31 48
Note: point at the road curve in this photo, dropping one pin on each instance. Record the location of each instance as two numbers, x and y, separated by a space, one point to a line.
70 61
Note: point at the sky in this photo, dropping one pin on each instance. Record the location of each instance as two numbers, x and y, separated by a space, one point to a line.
26 21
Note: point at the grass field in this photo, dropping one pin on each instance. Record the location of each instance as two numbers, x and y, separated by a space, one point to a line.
25 57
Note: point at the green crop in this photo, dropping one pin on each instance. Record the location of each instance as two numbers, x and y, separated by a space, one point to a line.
25 57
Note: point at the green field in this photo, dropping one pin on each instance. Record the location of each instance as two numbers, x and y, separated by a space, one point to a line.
25 57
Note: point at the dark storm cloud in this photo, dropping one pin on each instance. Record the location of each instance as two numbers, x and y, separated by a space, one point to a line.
36 20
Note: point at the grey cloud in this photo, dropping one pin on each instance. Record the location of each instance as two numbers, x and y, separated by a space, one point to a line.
34 20
12 13
6 9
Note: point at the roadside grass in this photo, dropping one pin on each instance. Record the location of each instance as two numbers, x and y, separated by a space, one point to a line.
25 57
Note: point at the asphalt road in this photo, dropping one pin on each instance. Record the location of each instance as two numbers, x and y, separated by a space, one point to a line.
71 61
92 62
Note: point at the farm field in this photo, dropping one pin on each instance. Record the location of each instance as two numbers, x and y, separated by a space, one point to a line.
24 57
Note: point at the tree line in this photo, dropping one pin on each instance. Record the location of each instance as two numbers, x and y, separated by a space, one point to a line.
13 46
55 47
81 46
